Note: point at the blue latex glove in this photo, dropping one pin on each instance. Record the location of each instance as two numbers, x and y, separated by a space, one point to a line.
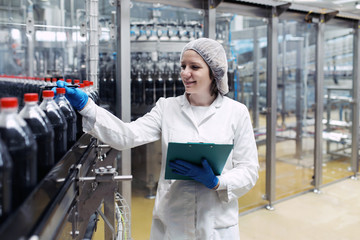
203 174
76 97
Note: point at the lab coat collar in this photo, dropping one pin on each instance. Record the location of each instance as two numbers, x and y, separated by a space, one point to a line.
217 103
186 108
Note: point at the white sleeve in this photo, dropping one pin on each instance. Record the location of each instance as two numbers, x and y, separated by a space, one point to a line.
244 174
109 129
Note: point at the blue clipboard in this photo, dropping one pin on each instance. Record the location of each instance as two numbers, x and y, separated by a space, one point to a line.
216 155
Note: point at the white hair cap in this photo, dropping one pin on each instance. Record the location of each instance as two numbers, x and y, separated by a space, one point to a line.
214 55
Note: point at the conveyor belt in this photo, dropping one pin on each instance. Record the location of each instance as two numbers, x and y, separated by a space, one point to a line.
44 211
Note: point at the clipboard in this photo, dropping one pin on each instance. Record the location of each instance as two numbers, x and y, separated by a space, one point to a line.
215 154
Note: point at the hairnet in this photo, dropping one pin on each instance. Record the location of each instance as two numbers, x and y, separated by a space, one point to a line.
214 55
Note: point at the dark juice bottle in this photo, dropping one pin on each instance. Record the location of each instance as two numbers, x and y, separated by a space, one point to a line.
149 90
6 171
169 86
22 147
41 127
89 91
69 114
79 132
139 89
58 122
94 93
159 87
179 86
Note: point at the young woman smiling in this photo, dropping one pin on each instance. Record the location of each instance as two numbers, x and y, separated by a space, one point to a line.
207 206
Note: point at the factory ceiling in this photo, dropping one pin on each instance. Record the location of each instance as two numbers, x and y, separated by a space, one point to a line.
345 8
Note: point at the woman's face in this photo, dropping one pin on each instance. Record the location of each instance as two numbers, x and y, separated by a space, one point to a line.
195 73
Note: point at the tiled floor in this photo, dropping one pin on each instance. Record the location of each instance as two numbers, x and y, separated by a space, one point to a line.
334 214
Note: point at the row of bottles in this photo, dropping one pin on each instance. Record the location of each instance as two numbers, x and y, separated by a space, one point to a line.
154 76
148 87
58 122
107 78
22 147
32 140
17 86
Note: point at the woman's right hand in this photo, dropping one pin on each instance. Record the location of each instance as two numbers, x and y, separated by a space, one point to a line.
76 97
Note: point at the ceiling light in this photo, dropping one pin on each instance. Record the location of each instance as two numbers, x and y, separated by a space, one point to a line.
357 5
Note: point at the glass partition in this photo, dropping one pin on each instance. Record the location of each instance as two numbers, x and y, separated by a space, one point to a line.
338 87
295 105
244 39
43 39
12 49
12 38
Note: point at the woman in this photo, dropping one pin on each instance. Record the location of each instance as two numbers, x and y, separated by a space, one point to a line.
206 208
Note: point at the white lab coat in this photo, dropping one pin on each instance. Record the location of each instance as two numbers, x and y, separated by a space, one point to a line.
188 209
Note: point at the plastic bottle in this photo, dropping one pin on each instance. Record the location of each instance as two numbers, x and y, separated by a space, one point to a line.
48 81
86 89
17 86
79 118
169 85
139 89
81 86
58 122
179 86
112 82
90 91
6 171
94 92
159 87
103 88
69 114
41 127
149 90
22 147
40 86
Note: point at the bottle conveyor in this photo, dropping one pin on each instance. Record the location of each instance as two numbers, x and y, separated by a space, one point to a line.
67 203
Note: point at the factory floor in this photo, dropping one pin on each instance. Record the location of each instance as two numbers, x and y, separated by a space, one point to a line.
333 214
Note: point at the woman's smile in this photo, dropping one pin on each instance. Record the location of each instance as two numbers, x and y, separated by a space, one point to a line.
189 83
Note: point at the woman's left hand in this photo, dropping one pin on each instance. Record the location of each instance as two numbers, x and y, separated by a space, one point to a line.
203 174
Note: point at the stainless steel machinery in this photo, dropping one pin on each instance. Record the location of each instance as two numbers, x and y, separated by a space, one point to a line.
82 187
